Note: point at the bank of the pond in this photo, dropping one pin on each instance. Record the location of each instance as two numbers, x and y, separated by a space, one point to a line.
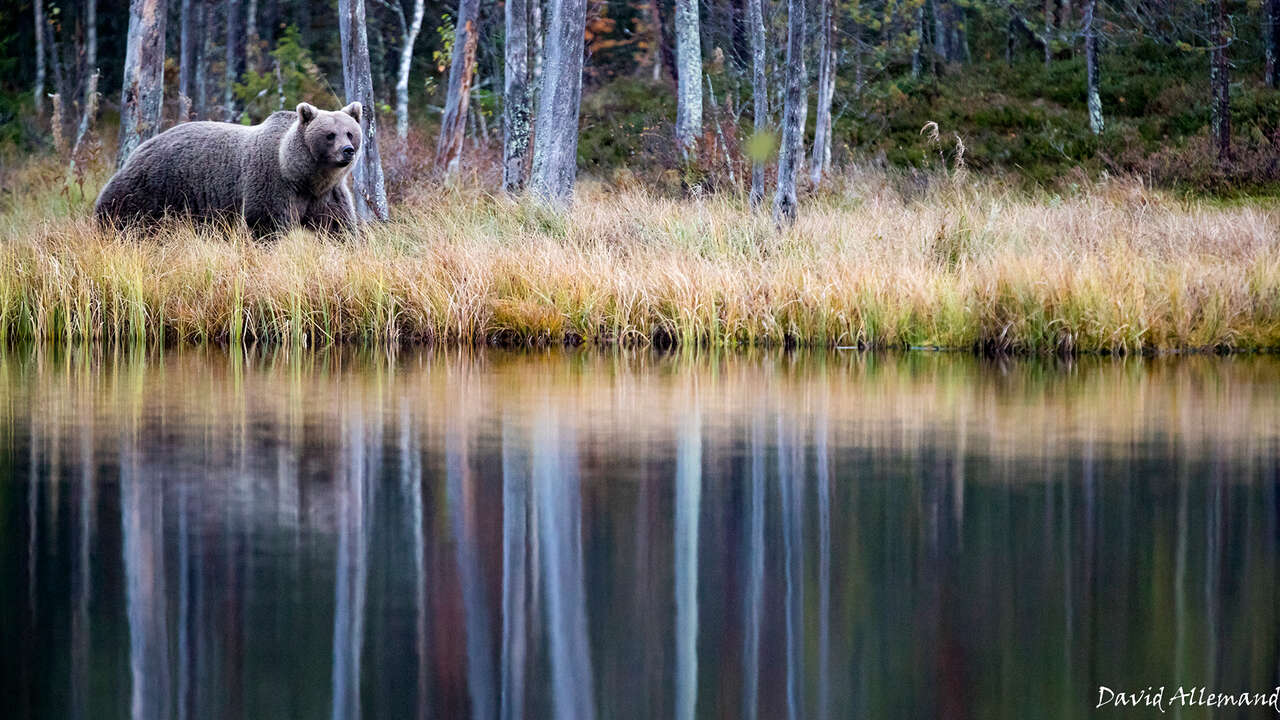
1113 268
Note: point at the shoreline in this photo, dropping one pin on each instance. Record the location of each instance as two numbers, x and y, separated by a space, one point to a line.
1116 269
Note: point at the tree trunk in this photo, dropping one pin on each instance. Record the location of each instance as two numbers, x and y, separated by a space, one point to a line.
38 7
821 159
555 140
1271 41
89 103
253 53
235 52
760 97
453 125
143 92
367 184
188 52
959 34
793 112
515 96
940 31
655 19
204 53
1048 33
1220 81
688 76
1091 66
536 35
916 45
409 37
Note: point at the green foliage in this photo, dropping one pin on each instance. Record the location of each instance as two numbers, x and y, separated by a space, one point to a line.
292 78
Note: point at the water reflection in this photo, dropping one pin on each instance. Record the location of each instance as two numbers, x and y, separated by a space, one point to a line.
196 535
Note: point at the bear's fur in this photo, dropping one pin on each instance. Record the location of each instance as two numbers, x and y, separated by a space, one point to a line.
288 171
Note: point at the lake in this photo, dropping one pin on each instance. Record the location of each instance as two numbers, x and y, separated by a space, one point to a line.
196 533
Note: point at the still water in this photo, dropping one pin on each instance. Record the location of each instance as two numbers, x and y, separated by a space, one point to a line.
204 534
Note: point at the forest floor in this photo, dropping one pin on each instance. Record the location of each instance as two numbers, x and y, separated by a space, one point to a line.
876 259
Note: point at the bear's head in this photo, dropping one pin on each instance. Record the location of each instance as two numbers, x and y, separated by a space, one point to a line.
332 137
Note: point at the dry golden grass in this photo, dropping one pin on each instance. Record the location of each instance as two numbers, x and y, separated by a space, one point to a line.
1114 268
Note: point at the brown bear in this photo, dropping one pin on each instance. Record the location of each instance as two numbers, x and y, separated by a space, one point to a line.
288 171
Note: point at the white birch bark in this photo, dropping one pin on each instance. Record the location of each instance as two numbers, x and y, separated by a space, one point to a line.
555 144
821 159
793 113
515 96
760 94
1091 65
38 7
688 76
406 62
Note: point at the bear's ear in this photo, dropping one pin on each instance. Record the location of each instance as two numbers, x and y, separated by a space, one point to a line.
306 113
354 110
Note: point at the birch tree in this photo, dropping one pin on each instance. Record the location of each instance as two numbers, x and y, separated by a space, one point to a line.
252 40
143 91
793 112
760 95
38 7
234 52
1271 41
515 96
555 143
1220 80
821 159
204 53
1091 66
89 101
409 28
688 76
367 183
461 72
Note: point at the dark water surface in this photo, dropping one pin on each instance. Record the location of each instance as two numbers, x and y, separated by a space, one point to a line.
582 535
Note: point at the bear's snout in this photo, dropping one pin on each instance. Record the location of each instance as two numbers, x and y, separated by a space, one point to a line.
348 152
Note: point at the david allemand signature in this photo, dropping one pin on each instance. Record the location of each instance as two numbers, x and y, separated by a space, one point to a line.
1186 697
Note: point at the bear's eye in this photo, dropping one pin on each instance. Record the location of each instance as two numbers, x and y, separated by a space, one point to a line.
349 136
332 136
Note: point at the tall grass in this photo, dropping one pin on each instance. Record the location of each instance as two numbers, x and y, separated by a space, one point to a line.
876 261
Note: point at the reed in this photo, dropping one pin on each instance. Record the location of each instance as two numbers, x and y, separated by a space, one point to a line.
877 260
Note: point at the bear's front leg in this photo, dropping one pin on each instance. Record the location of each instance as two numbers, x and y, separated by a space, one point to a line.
334 212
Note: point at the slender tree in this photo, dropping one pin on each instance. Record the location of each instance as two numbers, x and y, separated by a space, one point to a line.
917 43
940 31
252 40
204 54
188 49
367 183
793 112
688 76
826 37
760 95
38 7
537 32
143 91
1271 41
515 96
453 125
1220 81
555 139
1091 66
89 102
235 54
409 28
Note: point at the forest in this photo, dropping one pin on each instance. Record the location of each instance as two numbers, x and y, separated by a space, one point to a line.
580 170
